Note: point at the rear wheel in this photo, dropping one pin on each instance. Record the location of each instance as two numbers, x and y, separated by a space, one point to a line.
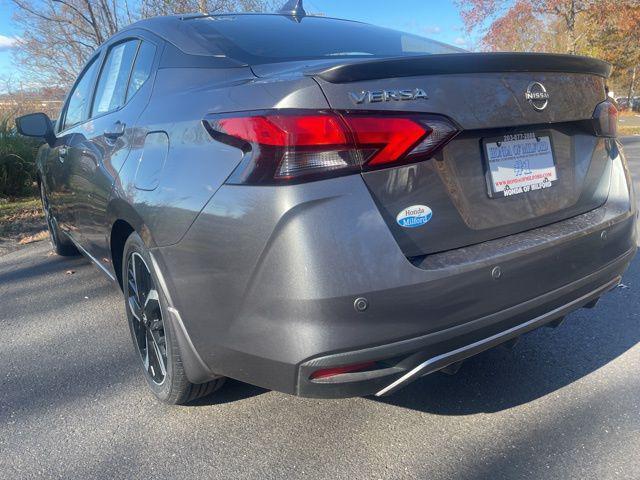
59 241
153 333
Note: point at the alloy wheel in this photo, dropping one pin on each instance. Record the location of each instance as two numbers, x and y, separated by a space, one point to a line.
147 322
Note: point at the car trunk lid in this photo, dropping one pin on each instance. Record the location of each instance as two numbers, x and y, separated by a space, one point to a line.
518 101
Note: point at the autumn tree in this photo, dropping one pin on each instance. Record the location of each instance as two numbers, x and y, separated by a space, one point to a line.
613 33
533 23
58 36
607 29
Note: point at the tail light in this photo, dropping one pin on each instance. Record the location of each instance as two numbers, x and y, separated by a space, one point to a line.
291 146
606 119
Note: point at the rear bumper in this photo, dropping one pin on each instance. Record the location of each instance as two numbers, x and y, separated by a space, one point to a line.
417 357
278 303
443 360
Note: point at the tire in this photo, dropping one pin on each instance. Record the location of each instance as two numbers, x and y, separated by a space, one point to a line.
59 241
153 332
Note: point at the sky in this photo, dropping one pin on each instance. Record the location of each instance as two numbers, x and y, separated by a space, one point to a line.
437 19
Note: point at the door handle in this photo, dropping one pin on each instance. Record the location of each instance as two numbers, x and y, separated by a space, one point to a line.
62 154
115 131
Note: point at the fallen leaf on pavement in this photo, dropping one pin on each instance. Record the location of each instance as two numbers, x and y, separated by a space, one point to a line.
34 238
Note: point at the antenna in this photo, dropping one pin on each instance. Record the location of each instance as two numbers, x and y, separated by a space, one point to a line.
293 8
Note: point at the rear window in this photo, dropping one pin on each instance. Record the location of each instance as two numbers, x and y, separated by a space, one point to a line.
256 39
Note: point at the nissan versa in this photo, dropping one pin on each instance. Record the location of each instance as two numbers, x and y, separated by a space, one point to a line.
331 209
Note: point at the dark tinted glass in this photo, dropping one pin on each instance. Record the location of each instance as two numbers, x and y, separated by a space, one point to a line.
142 68
77 109
273 38
111 92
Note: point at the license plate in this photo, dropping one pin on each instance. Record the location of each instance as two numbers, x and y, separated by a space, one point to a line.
519 163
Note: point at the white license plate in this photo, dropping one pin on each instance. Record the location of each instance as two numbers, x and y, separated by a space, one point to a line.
519 164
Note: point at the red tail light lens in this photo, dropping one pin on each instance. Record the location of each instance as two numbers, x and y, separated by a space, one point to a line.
606 119
335 371
392 137
294 146
284 131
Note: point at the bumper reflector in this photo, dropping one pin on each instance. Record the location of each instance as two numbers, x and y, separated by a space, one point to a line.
332 372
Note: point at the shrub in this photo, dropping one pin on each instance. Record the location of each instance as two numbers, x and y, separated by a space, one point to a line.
17 161
16 176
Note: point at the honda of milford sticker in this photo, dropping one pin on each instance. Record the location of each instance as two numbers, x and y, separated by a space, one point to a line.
415 216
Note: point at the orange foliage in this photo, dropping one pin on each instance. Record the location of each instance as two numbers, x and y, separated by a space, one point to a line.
539 24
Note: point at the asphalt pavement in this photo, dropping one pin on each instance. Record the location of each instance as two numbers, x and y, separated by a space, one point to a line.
564 403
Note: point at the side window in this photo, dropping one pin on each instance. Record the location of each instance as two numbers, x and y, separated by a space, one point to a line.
80 97
142 68
111 91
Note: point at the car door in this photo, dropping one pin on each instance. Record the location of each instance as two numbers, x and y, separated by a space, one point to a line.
61 169
120 96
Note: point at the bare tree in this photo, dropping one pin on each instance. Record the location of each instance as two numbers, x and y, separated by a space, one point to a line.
59 36
151 8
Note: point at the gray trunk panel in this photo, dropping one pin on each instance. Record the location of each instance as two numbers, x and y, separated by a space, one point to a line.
481 101
453 183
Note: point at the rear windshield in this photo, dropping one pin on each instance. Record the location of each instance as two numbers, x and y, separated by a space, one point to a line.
256 39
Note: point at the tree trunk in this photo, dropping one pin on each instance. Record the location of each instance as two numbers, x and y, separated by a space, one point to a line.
631 87
571 41
571 25
202 6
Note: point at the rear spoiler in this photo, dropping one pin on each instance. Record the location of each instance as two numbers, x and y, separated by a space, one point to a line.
443 64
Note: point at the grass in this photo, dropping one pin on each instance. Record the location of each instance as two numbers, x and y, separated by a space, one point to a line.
21 222
627 116
623 131
9 208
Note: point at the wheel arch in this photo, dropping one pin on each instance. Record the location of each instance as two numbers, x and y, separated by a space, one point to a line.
120 232
124 220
